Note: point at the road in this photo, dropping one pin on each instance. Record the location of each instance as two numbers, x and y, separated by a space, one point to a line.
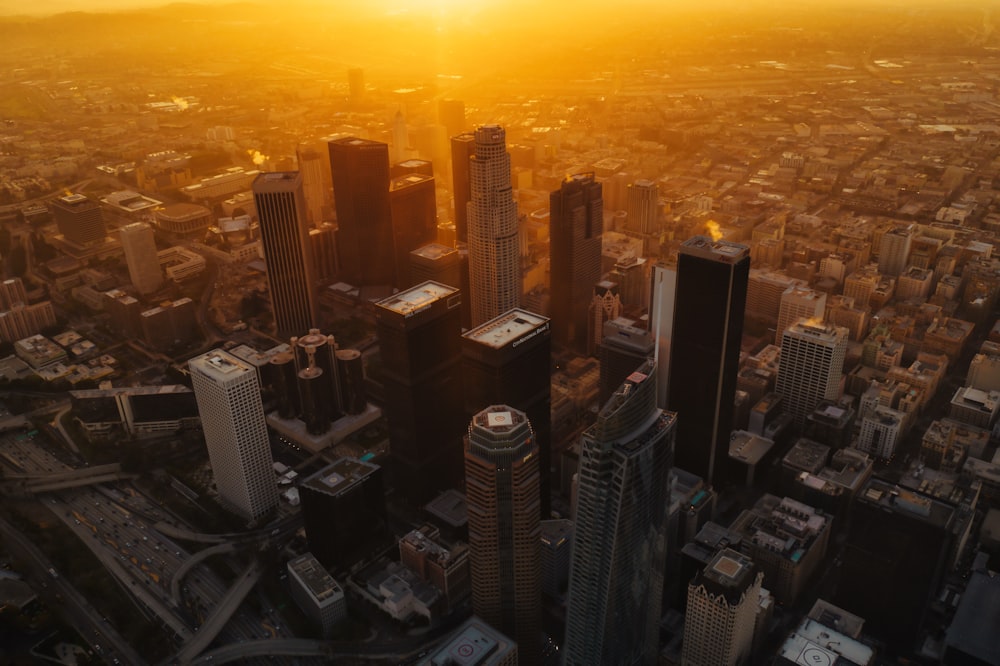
74 607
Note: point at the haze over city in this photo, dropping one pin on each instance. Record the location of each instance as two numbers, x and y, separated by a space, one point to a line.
499 332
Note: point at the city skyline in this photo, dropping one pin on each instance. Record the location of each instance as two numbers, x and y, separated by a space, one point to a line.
797 213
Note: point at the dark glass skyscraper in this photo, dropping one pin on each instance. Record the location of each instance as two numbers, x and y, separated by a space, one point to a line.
418 332
414 220
506 361
576 222
281 207
709 298
463 147
360 171
620 542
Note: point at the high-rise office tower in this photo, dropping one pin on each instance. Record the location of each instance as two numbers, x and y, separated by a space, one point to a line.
623 348
494 257
506 361
451 114
414 220
463 147
900 545
356 84
140 257
705 350
894 250
291 280
661 324
799 302
323 246
360 172
616 573
400 137
78 219
812 361
343 512
314 165
576 222
632 274
436 262
232 418
605 306
502 493
642 205
418 332
721 612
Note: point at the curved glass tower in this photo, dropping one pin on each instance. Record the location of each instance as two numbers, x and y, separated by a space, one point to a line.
620 543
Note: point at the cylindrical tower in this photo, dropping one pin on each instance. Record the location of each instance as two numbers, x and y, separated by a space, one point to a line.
351 371
282 380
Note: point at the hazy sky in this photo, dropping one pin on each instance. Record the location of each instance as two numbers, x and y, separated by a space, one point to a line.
43 7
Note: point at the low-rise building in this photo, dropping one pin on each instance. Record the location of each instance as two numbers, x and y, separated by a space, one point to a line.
787 540
315 591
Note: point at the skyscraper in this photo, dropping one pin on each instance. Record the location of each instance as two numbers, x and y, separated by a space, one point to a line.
232 418
506 361
494 258
642 206
414 220
799 302
894 250
576 222
314 166
418 332
721 611
661 324
140 257
463 147
502 492
360 171
291 280
616 574
78 219
705 350
812 361
624 348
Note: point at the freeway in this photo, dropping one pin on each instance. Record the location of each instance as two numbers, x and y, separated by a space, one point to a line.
74 607
191 562
220 614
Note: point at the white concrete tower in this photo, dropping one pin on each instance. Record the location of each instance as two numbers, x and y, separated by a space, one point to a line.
232 418
494 261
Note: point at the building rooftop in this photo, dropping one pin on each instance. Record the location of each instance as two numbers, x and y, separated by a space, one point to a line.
216 364
973 629
720 250
475 643
814 643
129 201
315 578
556 532
511 328
906 502
807 456
748 447
339 476
415 299
434 251
450 507
728 573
